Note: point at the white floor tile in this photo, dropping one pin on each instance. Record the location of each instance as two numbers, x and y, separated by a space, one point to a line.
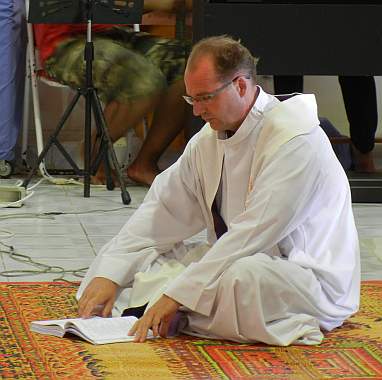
57 253
29 218
371 276
43 278
373 231
2 266
46 229
46 241
372 246
98 229
119 217
28 272
80 204
98 242
67 263
368 215
137 193
71 240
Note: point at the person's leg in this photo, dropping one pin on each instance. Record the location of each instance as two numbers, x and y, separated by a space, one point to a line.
360 101
287 84
169 119
170 115
119 118
128 84
12 73
267 299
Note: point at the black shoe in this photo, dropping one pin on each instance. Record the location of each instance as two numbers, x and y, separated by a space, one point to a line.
134 311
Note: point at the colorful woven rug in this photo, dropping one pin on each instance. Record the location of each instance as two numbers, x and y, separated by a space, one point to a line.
353 351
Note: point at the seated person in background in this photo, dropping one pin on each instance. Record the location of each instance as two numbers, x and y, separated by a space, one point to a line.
134 72
360 99
282 259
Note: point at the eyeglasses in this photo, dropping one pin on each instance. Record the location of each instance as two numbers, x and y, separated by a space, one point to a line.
207 97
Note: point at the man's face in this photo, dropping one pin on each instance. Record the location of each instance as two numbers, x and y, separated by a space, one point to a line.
218 103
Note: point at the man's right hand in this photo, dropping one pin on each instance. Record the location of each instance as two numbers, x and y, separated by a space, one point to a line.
98 298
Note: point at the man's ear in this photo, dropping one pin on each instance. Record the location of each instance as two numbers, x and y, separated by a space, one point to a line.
242 86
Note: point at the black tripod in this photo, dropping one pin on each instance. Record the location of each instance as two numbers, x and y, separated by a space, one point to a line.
103 148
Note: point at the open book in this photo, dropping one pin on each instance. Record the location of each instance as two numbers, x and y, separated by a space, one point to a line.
95 330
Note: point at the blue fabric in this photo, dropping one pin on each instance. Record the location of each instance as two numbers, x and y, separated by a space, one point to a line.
12 73
342 151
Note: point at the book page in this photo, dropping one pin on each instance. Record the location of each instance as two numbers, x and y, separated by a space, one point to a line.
96 330
54 327
56 322
105 329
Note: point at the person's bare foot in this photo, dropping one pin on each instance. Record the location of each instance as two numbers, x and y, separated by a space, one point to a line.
100 178
363 162
143 173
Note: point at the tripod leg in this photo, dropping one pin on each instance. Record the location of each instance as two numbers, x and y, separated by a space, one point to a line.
87 147
52 139
109 178
102 157
101 118
102 154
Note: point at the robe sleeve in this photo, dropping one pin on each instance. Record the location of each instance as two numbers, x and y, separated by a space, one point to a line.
169 214
280 200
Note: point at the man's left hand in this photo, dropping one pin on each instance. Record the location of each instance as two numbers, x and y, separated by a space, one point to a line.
158 318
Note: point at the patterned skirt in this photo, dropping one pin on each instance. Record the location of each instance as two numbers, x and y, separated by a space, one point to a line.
127 65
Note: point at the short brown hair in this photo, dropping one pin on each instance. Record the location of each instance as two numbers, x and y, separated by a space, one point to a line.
229 56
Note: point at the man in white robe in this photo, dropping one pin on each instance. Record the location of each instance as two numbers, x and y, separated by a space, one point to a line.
287 265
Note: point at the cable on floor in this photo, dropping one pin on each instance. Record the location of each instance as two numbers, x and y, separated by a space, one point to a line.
41 267
51 214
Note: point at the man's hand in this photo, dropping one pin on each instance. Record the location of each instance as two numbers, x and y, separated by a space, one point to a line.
158 318
98 298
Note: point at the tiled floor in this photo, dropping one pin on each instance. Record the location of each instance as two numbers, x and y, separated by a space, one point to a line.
72 239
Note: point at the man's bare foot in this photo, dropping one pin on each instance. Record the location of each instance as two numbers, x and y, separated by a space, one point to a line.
143 173
363 162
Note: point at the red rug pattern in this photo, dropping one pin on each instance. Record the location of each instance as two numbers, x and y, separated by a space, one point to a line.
353 351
